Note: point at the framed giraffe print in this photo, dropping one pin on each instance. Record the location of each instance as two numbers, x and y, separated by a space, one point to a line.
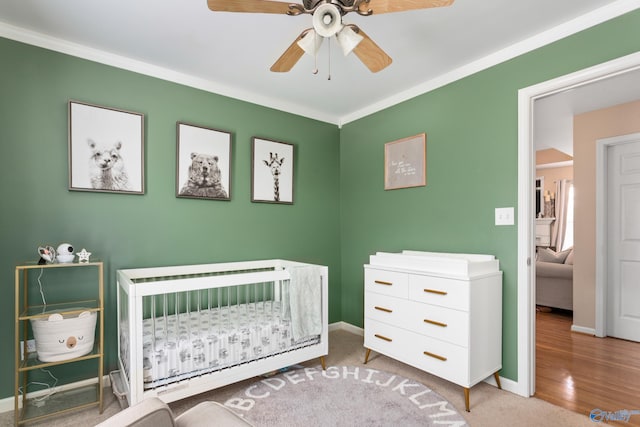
203 169
272 171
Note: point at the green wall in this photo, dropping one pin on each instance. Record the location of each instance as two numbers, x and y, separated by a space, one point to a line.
341 213
156 228
472 137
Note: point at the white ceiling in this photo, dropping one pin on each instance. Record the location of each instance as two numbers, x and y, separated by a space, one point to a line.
553 115
231 53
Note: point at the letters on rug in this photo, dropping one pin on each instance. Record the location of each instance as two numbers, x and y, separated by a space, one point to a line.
342 396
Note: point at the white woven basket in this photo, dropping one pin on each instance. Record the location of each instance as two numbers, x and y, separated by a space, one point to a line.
63 337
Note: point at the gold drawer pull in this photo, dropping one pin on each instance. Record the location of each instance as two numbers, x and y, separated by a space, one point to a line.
386 310
435 356
433 291
433 322
383 337
380 282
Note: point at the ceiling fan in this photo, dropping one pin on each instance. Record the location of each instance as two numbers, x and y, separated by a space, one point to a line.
327 22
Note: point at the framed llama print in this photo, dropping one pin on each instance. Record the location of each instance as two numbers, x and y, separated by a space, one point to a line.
272 171
405 163
203 169
106 149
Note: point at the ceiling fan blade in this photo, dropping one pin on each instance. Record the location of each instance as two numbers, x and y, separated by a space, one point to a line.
290 56
389 6
251 6
370 53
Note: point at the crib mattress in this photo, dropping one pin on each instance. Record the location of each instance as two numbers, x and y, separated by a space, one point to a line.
177 347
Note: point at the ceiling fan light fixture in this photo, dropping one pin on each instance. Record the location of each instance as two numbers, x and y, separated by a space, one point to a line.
310 42
348 39
327 20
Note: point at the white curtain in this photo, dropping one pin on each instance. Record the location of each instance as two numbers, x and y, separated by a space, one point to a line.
559 229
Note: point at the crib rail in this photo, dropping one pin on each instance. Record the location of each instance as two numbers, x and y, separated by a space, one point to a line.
157 285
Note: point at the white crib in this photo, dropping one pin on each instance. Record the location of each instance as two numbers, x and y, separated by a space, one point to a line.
188 329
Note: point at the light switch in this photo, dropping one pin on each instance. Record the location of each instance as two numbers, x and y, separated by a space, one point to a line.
504 216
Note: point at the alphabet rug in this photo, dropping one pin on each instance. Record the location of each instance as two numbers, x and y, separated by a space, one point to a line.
342 396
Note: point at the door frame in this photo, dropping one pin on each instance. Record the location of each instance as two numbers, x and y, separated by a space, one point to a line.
526 192
602 234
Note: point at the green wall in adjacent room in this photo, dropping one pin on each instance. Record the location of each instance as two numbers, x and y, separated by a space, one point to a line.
156 228
472 155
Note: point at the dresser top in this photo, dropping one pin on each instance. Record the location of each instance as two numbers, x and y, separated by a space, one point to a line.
441 263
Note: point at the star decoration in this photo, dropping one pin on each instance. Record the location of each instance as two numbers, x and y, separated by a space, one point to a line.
83 255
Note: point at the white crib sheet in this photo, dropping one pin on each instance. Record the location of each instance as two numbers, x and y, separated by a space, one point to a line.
191 344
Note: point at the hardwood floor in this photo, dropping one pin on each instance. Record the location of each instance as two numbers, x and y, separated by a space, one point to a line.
581 372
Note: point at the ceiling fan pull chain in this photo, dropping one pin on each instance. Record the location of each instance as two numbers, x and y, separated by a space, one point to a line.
329 76
315 55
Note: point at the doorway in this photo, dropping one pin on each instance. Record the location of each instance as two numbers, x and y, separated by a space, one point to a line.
621 68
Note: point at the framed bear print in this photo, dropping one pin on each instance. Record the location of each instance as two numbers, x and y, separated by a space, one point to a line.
272 172
106 149
203 169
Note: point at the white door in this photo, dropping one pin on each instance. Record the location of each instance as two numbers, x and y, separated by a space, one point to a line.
623 239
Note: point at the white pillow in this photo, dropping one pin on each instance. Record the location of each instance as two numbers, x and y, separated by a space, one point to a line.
549 255
569 259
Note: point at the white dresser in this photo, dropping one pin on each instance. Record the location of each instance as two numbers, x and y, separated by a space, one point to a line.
438 312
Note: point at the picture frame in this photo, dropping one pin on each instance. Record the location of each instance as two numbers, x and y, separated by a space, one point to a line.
272 169
105 149
203 162
405 163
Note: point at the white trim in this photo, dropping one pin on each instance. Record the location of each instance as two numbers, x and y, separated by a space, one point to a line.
555 165
583 330
573 26
526 240
344 326
526 282
602 237
8 404
601 215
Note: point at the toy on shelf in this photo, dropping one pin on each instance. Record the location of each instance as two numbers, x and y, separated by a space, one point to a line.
47 254
83 255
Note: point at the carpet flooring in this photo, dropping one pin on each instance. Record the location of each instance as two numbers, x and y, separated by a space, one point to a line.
489 405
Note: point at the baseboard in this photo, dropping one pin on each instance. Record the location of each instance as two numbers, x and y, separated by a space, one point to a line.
8 404
583 330
507 385
344 326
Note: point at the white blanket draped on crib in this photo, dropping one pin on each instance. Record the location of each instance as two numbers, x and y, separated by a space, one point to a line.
305 301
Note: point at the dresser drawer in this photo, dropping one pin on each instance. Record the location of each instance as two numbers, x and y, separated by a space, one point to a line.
442 359
442 323
439 291
386 282
387 309
386 339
